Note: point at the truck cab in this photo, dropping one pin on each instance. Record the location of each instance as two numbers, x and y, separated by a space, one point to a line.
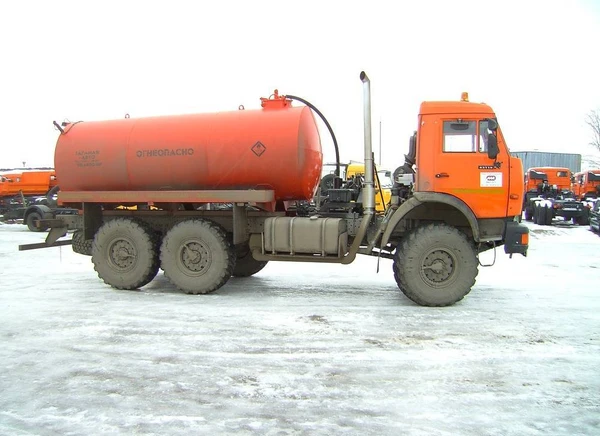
463 171
586 184
548 195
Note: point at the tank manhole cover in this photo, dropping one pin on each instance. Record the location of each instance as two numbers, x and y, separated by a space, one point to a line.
258 148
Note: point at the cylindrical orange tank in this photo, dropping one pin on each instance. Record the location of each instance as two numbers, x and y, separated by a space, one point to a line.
277 147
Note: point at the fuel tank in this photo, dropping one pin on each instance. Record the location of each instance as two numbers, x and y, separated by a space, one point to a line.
276 147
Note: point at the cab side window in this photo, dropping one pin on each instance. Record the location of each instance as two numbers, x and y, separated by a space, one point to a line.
460 136
484 133
463 136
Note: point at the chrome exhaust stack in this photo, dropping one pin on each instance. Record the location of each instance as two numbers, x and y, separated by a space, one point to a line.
369 188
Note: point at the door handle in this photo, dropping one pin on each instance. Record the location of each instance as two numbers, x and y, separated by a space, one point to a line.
440 175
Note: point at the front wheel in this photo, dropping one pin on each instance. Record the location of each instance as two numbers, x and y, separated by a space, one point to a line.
435 265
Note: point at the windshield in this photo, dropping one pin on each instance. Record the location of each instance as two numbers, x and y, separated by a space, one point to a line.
385 178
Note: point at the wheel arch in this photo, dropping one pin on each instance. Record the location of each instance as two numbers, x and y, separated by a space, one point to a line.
423 199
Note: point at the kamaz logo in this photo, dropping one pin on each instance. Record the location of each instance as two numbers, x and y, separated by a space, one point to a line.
490 178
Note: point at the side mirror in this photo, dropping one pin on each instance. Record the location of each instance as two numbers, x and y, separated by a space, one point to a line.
493 149
492 124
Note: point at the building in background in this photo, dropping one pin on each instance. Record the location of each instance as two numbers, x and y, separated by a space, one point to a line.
532 159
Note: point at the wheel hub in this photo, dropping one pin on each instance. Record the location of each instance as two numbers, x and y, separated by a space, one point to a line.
122 254
438 266
195 257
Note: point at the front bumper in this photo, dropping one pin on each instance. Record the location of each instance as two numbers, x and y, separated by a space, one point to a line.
516 238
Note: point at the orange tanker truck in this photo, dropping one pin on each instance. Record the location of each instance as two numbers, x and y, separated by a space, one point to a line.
214 196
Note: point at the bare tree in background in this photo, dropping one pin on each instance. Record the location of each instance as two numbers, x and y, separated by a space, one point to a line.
593 120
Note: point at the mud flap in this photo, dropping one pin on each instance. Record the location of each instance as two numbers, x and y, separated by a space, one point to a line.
516 239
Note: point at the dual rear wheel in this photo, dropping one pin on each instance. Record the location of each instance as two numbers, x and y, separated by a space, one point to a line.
542 215
196 255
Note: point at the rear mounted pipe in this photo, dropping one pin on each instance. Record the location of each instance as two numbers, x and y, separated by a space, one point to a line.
369 189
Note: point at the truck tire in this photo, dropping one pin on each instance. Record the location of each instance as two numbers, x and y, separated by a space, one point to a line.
246 265
548 215
124 253
435 265
30 221
197 256
541 215
528 213
536 214
80 245
584 219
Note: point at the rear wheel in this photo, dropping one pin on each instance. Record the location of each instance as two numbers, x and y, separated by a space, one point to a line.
197 256
549 215
124 253
435 265
80 245
30 221
544 215
584 219
246 265
528 213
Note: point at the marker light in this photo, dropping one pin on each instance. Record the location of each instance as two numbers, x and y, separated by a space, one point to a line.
464 96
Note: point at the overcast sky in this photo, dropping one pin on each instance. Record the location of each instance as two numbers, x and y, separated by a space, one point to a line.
535 62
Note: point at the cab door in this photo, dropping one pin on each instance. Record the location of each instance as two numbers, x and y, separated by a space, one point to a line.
463 169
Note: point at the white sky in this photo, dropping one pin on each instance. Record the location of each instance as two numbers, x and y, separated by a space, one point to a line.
535 62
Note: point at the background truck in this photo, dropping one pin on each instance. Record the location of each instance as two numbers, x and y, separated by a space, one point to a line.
586 184
548 195
464 198
28 195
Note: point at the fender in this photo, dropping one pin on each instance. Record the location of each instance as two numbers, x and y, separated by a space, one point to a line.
429 197
44 211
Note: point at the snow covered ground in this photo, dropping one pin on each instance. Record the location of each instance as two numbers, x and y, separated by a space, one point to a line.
302 349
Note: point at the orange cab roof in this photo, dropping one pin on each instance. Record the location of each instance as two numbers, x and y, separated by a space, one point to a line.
544 169
454 107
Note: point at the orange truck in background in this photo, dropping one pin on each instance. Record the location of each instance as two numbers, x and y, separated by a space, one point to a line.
548 195
29 195
557 177
213 194
26 182
586 184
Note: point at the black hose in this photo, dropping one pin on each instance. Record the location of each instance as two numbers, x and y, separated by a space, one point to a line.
335 144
